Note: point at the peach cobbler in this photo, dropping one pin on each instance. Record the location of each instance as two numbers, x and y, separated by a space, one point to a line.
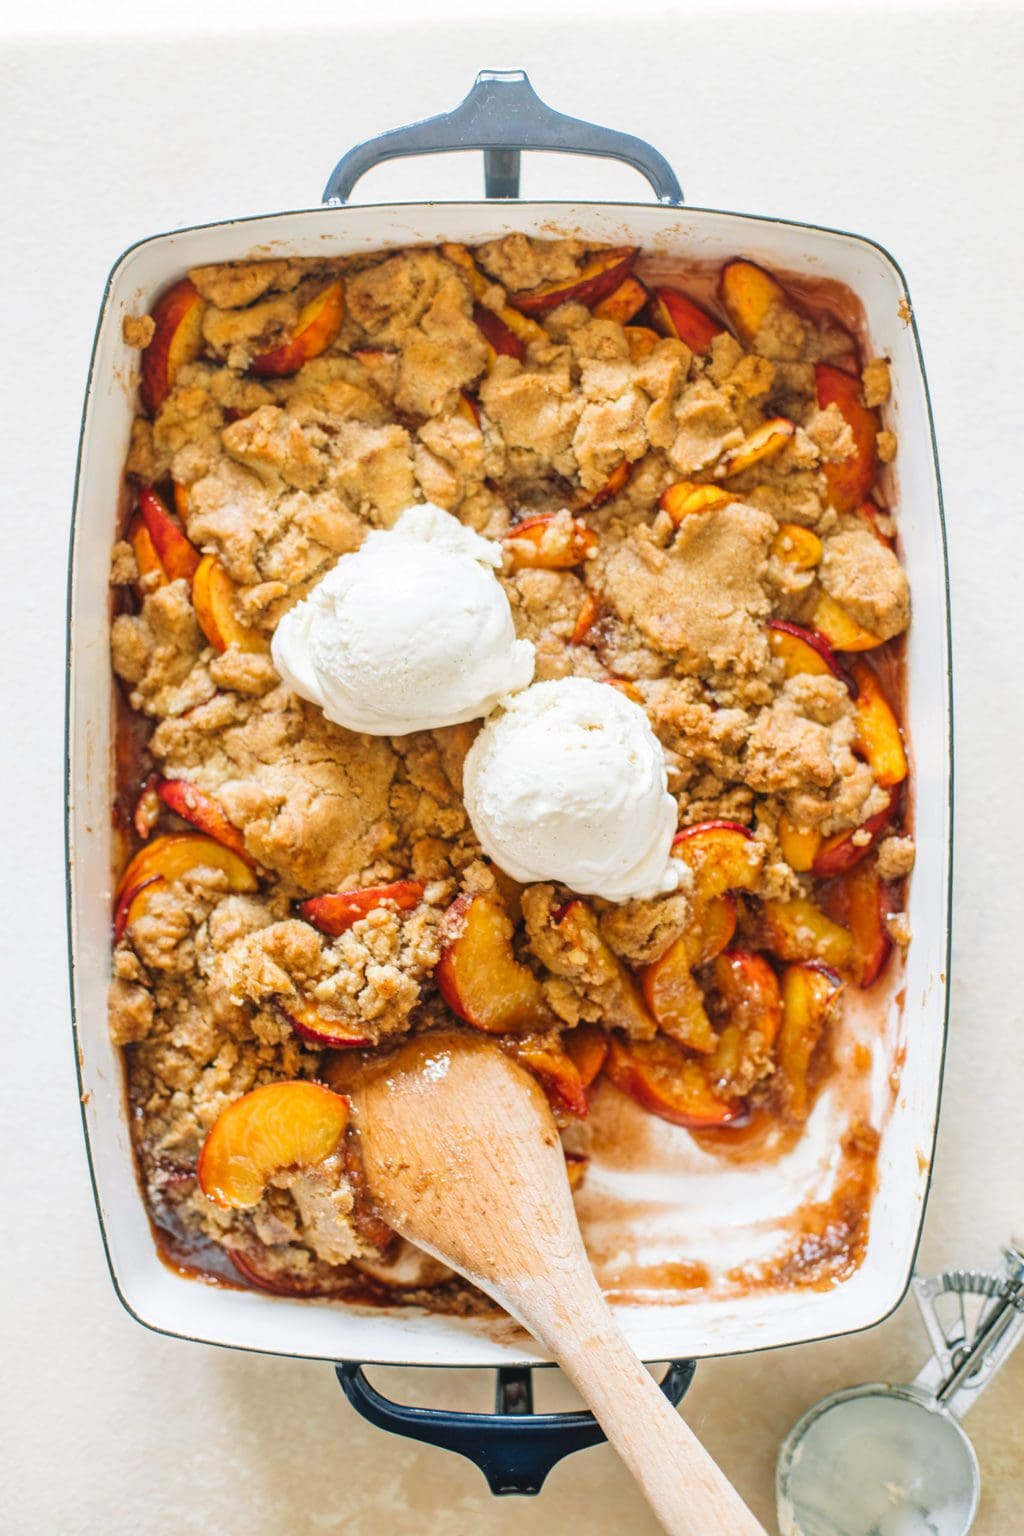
655 518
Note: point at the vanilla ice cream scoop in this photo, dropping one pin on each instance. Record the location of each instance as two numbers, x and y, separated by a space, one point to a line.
411 632
569 783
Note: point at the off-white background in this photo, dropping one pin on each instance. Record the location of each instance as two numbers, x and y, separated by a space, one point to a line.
902 122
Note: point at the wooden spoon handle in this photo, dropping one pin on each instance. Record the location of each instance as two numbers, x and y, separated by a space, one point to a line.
680 1481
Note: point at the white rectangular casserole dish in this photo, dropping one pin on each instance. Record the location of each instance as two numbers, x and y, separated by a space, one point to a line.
911 1014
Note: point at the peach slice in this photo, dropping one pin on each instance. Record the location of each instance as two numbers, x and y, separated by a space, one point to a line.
147 807
766 442
270 1129
622 1000
613 485
797 546
722 854
478 975
662 1078
868 903
598 278
547 544
677 315
798 930
526 330
177 340
871 512
799 845
878 737
688 496
587 1048
469 409
501 341
178 556
849 482
260 1271
317 326
146 558
321 1032
642 342
627 300
203 811
336 913
213 597
587 618
802 651
840 628
748 293
182 501
750 990
130 905
558 1074
176 854
625 687
676 1000
840 852
809 993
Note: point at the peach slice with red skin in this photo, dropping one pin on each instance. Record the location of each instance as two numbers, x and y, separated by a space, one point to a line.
688 496
622 999
130 904
626 301
587 1048
762 445
675 314
809 993
799 845
641 341
147 560
178 556
748 292
586 619
598 278
317 326
802 651
749 989
213 597
878 738
558 1074
867 902
849 482
840 629
267 1131
203 811
838 853
176 854
479 976
661 1077
722 855
613 485
546 544
336 913
320 1032
676 1000
468 408
523 329
499 338
872 514
798 930
672 992
177 340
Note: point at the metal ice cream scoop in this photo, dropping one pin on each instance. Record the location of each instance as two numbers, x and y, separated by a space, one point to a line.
879 1460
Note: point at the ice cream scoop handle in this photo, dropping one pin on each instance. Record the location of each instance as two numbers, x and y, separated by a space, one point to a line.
680 1481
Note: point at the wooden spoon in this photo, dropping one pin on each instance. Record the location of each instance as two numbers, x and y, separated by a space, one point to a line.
462 1157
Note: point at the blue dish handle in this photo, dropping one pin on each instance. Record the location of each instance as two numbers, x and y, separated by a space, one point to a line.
514 1447
503 115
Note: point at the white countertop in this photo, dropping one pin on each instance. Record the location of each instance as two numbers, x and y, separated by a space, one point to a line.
903 123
